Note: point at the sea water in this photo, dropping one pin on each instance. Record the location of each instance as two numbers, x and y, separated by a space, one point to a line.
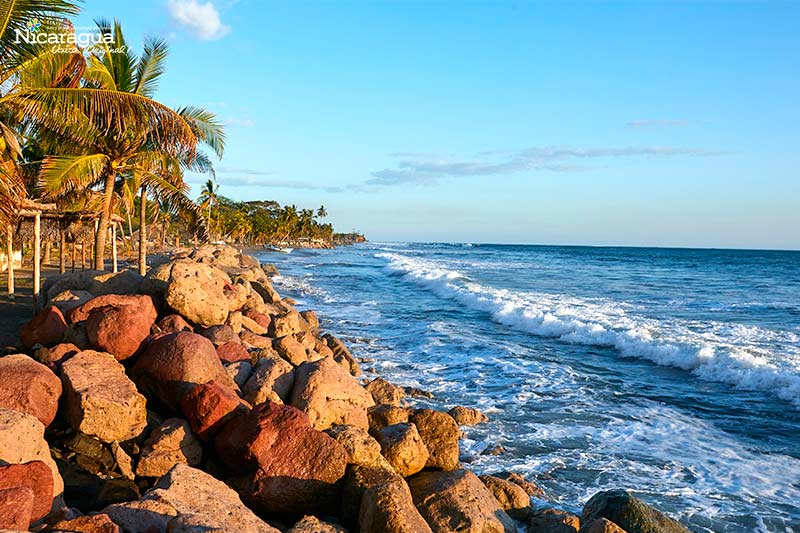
674 373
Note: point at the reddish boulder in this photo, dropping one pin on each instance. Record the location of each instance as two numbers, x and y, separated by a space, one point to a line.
550 520
58 354
173 324
120 326
36 476
81 313
173 364
47 327
16 506
96 523
220 334
260 318
233 351
29 387
208 407
297 467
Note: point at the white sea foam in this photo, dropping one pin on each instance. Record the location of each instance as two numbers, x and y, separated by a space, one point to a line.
748 357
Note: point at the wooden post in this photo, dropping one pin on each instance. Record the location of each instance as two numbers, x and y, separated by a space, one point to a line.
37 258
10 252
83 255
73 254
114 247
62 251
143 232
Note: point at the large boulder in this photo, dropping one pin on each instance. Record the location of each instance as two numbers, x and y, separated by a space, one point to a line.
22 441
96 523
330 395
188 496
100 400
173 324
120 326
169 444
383 415
36 476
208 407
47 327
457 501
362 448
440 434
123 282
79 280
357 480
16 508
70 299
197 292
267 292
232 352
29 387
296 349
389 508
384 392
342 355
629 513
530 488
511 497
239 372
403 448
550 520
296 467
287 324
272 379
601 525
173 364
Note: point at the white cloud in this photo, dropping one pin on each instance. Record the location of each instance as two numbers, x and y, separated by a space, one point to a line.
202 19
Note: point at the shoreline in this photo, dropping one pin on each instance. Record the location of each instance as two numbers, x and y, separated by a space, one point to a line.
402 463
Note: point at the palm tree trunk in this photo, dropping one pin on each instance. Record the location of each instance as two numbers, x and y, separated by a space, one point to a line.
105 218
143 231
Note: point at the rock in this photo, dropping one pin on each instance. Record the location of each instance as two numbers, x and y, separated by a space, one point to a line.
82 312
22 441
251 340
76 281
233 351
259 318
329 395
530 488
47 327
36 476
272 380
142 516
297 467
16 507
267 292
357 480
466 416
602 525
311 318
173 364
120 327
342 355
403 448
123 460
100 400
56 355
389 508
270 270
234 321
252 326
384 392
171 443
197 292
287 324
439 432
384 415
29 387
237 293
494 449
418 393
70 299
361 447
122 282
629 513
512 498
458 501
239 372
291 349
173 324
96 523
220 334
208 407
312 524
211 504
553 521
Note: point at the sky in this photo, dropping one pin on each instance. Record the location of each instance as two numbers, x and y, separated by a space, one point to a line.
636 123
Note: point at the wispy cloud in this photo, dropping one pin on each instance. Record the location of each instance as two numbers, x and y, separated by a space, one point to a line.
656 123
202 19
422 169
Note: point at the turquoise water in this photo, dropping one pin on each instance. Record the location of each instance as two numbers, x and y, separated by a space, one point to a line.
673 373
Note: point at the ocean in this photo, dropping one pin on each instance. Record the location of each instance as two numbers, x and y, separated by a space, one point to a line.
673 373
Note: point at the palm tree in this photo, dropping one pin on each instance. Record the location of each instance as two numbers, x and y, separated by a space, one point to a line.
127 135
209 199
25 65
322 212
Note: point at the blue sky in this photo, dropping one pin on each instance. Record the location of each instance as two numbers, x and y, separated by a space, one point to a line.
619 123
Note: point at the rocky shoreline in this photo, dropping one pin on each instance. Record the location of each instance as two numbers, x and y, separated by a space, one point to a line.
197 399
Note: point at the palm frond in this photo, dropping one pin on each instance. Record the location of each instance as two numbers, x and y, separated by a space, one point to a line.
206 127
150 66
60 175
14 17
